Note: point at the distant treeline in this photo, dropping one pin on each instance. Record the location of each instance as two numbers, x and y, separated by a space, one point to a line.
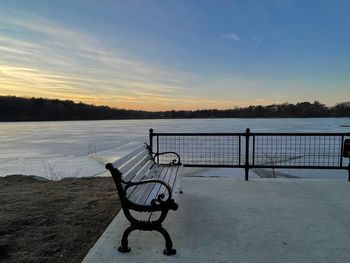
40 109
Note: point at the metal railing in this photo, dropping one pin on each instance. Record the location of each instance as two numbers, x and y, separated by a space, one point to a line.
254 150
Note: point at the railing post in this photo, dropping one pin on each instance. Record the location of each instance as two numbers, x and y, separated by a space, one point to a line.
246 165
151 140
341 151
349 171
157 149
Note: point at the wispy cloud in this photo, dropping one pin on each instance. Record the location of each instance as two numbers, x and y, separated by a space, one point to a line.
258 39
58 61
231 36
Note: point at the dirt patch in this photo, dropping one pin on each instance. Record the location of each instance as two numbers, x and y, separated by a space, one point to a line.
53 221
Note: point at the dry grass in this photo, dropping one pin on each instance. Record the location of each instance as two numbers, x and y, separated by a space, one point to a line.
53 221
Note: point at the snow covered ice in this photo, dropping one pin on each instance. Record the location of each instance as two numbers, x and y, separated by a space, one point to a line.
81 148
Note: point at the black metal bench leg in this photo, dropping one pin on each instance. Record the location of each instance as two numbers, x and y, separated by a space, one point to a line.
168 243
124 243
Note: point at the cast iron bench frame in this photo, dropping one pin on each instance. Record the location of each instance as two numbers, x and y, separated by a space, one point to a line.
158 203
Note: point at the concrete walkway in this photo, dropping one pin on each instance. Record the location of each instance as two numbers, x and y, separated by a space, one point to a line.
229 220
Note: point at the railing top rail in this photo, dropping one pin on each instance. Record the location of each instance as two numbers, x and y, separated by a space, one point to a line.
301 133
197 134
251 134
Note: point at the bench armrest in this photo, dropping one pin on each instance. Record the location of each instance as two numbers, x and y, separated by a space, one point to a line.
173 162
147 181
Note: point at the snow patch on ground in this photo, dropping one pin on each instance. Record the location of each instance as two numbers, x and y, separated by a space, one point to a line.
67 166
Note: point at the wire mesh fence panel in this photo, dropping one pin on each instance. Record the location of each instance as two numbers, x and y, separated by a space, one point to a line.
297 150
265 150
201 150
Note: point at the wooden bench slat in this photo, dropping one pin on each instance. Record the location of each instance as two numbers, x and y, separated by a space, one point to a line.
170 179
129 175
140 175
147 171
148 187
125 158
133 162
176 186
155 190
138 191
144 194
161 189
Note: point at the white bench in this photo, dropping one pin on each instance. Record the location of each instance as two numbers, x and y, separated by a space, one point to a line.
147 187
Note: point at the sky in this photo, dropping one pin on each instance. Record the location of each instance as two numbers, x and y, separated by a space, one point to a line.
182 55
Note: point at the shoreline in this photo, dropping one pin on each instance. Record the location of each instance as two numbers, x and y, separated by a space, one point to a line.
182 118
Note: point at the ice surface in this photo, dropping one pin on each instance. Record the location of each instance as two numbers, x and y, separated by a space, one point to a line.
81 148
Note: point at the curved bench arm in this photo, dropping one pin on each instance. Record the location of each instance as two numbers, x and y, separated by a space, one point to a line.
173 162
147 181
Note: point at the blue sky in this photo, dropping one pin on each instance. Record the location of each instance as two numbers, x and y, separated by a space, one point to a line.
162 55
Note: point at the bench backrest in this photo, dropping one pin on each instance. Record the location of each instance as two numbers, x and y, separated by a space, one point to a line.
134 163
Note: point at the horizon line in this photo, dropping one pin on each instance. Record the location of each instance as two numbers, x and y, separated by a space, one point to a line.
176 110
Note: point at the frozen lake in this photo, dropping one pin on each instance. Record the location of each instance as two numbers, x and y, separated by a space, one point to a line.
80 148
